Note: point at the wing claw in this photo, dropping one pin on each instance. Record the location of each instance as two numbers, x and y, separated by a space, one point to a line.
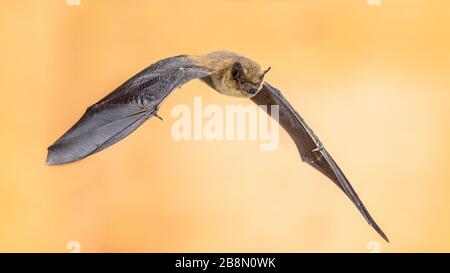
319 147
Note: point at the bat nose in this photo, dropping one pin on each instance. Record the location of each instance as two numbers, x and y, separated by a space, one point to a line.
253 90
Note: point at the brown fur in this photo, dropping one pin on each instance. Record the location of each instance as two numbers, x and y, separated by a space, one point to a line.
220 64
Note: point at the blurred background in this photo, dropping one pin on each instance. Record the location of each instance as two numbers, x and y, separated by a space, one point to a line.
371 80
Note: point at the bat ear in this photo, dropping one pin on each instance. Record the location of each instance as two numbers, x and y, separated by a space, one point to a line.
264 73
237 72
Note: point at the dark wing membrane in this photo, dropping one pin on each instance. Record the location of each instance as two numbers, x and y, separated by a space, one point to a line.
310 148
123 110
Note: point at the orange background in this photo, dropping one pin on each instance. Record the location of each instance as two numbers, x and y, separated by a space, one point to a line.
372 81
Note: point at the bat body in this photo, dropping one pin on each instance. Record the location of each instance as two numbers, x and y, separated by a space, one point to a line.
139 98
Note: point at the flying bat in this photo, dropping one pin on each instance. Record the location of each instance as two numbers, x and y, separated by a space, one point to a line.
139 98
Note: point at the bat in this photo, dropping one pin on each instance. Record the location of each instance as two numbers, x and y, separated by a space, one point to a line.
127 107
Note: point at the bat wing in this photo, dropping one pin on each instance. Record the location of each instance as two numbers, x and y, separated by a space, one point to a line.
310 148
123 110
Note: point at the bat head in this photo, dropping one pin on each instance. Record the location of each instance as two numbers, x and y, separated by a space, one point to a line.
233 74
247 77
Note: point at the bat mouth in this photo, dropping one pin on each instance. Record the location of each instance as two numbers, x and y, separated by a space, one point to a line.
253 90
